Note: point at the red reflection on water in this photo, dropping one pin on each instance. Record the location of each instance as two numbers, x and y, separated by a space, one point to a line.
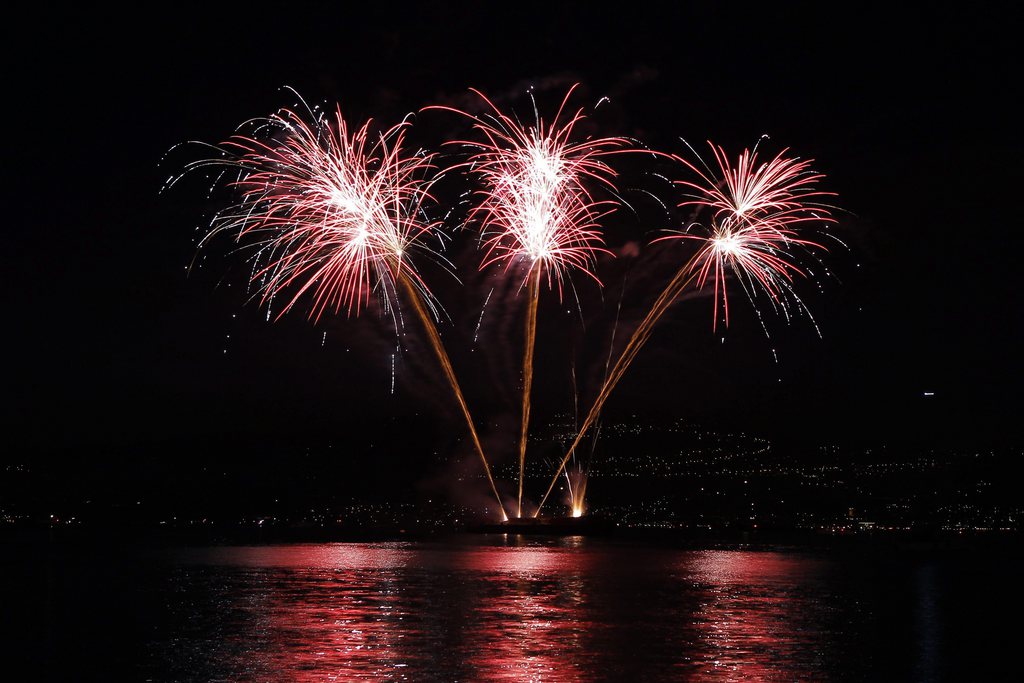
748 624
529 622
565 611
342 634
334 612
304 556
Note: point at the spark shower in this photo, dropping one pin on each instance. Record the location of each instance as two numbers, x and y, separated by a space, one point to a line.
334 215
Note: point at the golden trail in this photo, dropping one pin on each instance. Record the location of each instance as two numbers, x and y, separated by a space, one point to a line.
532 295
442 356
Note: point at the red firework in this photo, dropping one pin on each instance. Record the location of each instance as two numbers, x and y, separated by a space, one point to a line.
335 212
535 206
756 211
778 193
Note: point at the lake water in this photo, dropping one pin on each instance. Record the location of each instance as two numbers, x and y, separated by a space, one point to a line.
494 608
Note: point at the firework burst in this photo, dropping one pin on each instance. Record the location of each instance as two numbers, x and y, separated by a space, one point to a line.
756 213
536 205
330 211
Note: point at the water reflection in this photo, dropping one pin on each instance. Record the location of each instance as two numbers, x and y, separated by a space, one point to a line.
755 618
528 615
563 610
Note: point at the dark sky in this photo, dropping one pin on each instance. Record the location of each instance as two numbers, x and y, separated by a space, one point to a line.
111 346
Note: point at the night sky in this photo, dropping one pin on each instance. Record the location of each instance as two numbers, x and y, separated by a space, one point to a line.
112 347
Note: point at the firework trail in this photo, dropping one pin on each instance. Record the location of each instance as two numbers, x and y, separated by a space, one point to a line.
532 298
336 216
435 341
755 210
535 208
